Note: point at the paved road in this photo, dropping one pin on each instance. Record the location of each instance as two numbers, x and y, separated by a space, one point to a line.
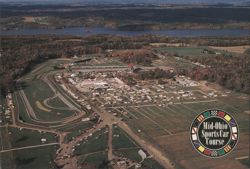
28 107
69 104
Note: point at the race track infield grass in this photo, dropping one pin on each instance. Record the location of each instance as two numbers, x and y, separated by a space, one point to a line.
22 113
37 90
57 103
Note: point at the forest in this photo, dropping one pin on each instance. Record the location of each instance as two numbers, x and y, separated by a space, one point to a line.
232 72
19 54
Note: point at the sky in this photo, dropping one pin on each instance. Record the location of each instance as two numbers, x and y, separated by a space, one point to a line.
138 1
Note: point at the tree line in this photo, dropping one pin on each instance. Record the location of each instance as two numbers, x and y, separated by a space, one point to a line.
232 72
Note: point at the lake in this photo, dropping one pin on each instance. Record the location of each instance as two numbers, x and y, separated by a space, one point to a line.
81 31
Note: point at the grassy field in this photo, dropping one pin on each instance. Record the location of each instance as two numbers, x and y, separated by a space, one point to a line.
95 143
168 128
95 160
149 163
75 129
178 62
4 138
38 158
24 137
183 50
124 146
34 158
23 115
156 120
132 154
245 162
121 139
38 91
58 103
92 152
6 159
191 51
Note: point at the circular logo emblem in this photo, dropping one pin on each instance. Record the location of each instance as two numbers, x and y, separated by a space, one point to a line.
214 133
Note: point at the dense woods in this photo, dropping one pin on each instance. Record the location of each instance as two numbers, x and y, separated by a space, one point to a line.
155 74
20 53
135 56
232 72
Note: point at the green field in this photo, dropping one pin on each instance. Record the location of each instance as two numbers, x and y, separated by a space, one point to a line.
95 143
124 146
34 158
38 158
131 154
151 164
156 121
57 103
183 50
6 160
168 126
39 91
92 152
245 162
23 115
121 139
5 139
95 160
75 129
172 58
24 137
190 51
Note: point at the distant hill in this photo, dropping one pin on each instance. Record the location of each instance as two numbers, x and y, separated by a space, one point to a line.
210 2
